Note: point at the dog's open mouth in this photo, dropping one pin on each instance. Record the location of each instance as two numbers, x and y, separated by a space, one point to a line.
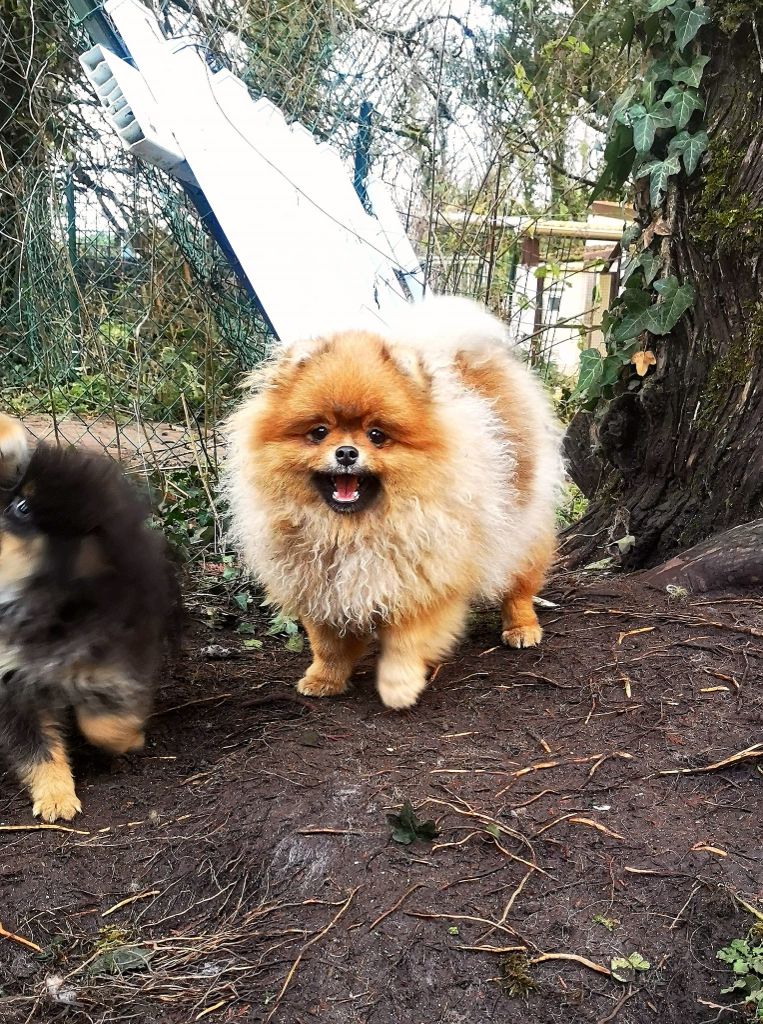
347 492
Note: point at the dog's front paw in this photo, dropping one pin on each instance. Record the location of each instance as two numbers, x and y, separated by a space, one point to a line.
522 636
320 686
56 803
400 688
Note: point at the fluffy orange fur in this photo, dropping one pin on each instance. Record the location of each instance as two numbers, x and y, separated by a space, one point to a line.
466 474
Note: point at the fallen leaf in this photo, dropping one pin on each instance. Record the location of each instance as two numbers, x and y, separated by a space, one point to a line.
118 961
642 361
624 968
603 563
407 827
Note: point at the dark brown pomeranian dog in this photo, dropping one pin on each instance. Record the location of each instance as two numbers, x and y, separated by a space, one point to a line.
87 595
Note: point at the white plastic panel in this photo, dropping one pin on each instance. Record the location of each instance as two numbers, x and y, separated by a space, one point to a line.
133 111
314 256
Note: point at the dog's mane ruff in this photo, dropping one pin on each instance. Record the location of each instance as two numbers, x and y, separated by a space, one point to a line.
355 573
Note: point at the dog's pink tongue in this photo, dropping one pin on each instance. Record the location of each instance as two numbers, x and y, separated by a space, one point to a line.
345 487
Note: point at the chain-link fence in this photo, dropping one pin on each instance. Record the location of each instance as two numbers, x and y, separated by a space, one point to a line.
121 322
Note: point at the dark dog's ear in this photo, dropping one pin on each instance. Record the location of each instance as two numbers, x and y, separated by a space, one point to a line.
14 451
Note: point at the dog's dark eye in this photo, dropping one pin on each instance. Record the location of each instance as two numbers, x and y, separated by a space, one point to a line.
317 434
19 510
376 436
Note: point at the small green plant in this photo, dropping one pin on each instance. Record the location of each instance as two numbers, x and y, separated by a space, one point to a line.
516 980
610 923
625 968
407 827
745 958
185 513
282 625
572 505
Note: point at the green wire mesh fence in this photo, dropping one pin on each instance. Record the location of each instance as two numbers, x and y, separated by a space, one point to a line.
121 322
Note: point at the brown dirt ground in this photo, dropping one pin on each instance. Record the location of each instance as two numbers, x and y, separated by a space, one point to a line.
138 445
251 842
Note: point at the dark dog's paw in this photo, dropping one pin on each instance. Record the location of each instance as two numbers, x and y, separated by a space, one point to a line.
56 802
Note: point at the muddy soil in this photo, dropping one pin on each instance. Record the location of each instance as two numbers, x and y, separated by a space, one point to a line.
242 868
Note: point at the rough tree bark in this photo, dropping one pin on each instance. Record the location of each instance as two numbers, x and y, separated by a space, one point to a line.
729 560
680 457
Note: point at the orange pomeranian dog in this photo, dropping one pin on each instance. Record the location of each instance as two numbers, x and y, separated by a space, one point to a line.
382 483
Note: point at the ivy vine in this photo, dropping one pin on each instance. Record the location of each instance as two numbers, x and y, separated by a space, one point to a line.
655 134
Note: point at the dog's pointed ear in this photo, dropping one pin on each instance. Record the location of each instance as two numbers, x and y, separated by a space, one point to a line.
14 451
284 360
410 363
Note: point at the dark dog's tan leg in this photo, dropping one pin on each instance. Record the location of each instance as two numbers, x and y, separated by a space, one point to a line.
49 778
334 658
115 733
410 648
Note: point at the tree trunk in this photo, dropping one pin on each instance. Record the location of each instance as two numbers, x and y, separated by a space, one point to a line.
729 560
679 456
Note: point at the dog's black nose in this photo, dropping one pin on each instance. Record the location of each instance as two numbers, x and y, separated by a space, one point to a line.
346 455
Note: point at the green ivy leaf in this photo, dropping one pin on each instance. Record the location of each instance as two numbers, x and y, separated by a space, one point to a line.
645 125
683 103
597 373
627 30
646 261
688 21
621 104
658 5
651 27
630 234
587 390
631 268
659 71
651 265
635 304
629 327
692 75
407 827
659 172
690 148
618 159
674 301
